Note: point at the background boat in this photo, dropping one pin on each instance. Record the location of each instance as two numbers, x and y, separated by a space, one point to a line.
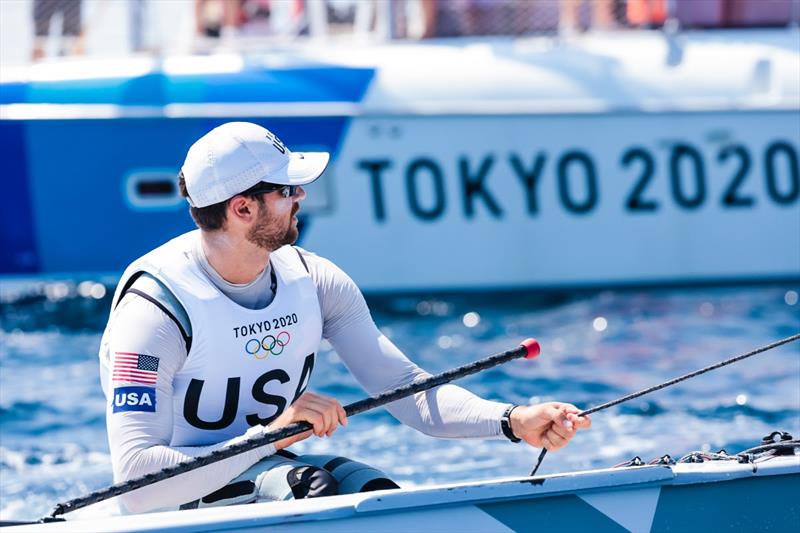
652 156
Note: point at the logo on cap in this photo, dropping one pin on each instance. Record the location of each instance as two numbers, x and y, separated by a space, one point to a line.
277 143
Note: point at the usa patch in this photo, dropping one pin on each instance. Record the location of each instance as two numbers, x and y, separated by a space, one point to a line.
134 399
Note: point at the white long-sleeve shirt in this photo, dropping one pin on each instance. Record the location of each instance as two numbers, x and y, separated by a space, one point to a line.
140 441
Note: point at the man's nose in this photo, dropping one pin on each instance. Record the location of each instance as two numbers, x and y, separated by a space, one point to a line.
300 193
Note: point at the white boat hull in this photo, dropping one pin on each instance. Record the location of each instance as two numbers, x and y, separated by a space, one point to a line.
710 496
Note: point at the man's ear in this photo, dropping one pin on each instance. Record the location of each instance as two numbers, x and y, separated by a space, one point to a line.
241 208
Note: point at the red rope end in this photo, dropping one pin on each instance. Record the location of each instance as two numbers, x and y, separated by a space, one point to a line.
533 348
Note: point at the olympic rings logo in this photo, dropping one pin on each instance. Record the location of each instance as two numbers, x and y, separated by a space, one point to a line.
271 344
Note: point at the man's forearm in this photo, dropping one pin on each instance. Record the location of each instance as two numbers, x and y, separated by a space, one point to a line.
185 487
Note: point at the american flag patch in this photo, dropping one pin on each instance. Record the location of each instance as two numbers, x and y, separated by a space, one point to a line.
135 368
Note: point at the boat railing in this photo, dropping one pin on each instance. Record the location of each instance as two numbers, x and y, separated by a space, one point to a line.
31 31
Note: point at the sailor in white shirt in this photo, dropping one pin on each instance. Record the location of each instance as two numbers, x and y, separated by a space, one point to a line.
212 339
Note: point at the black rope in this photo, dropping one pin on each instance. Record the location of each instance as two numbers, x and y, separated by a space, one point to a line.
673 382
785 445
287 431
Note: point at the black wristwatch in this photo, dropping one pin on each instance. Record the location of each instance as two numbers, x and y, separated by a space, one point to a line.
505 424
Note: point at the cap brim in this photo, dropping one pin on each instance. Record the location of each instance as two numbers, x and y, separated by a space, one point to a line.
303 168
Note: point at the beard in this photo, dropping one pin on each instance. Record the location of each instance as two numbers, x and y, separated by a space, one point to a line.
270 232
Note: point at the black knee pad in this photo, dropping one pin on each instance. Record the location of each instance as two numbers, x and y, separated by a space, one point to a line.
352 476
311 482
380 483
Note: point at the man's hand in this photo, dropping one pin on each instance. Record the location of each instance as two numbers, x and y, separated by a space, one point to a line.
548 425
322 412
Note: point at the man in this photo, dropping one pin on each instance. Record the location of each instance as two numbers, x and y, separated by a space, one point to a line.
212 336
71 31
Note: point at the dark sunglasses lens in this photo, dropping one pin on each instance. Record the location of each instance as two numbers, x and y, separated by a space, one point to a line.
284 190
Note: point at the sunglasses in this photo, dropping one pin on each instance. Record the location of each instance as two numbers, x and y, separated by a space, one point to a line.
286 191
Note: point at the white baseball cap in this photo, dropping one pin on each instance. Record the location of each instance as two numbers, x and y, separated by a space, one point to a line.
235 156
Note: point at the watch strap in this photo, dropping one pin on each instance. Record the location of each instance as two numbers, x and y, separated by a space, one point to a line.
505 424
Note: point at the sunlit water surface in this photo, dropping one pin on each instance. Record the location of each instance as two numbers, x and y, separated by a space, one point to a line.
596 347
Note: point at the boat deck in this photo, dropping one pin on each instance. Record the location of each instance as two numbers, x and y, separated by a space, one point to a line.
643 498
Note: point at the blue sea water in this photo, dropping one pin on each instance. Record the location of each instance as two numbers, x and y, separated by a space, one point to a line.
596 346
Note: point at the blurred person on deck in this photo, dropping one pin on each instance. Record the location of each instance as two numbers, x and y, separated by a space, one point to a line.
456 18
440 19
736 13
211 16
71 30
226 18
137 24
646 13
602 16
